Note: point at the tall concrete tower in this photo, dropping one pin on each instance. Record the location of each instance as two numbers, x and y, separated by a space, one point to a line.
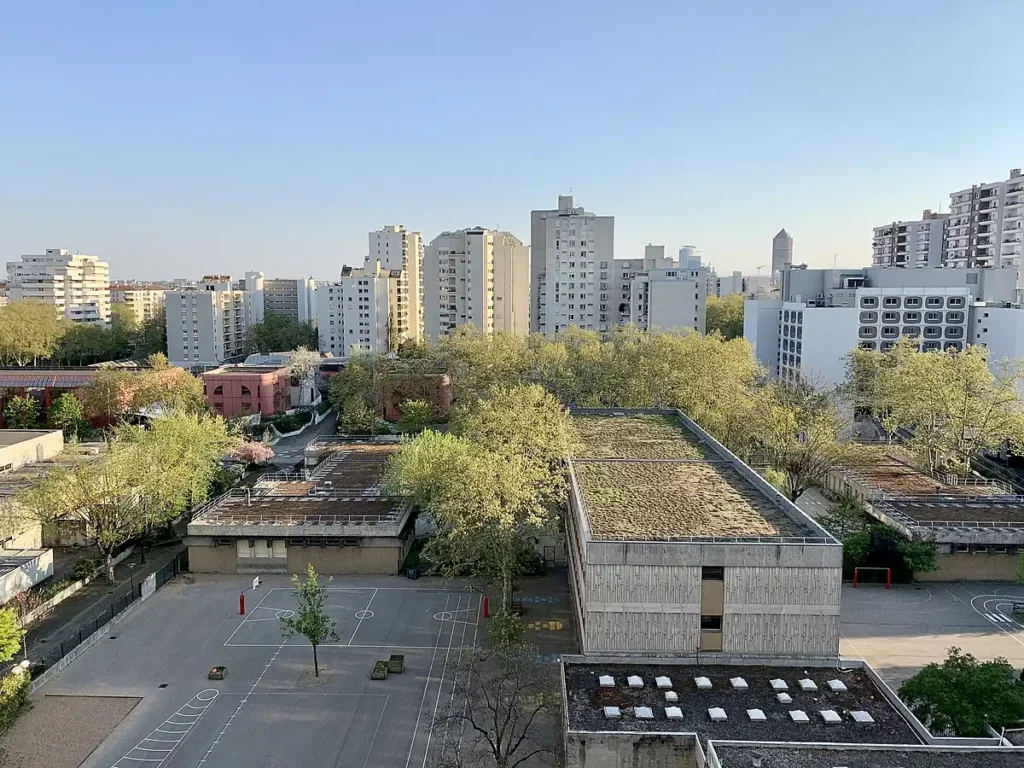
782 252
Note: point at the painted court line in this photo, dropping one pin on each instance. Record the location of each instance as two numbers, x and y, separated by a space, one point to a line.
426 687
363 616
440 687
149 750
242 623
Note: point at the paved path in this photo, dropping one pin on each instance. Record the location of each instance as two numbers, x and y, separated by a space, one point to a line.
813 503
289 450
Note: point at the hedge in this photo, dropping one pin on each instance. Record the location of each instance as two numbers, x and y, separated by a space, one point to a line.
13 695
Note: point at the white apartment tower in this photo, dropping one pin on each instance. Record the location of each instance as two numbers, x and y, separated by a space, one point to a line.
916 244
77 285
570 251
398 249
782 252
294 298
206 325
353 312
142 301
986 224
478 277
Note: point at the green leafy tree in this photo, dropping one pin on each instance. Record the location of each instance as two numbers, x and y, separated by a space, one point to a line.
356 418
29 331
725 315
21 413
416 416
108 397
151 336
10 634
280 333
962 695
355 381
85 344
310 620
66 414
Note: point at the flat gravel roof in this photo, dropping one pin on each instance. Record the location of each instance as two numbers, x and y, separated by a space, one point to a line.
736 756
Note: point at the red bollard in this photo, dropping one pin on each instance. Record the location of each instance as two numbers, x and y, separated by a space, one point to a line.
241 604
487 611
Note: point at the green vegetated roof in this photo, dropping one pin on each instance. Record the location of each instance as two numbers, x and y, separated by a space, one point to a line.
664 500
647 436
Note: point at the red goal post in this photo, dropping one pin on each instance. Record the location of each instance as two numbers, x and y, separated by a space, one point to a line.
859 568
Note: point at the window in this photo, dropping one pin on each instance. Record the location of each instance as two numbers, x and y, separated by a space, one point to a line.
710 623
933 302
869 317
868 302
912 302
218 390
712 573
245 391
891 302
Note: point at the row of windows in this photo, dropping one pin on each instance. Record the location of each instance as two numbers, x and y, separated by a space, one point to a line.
912 317
910 331
928 346
914 302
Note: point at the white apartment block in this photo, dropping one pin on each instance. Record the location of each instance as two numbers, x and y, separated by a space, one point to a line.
669 298
353 312
570 251
5 295
986 224
910 243
478 277
398 249
825 313
206 325
142 301
291 298
77 285
737 282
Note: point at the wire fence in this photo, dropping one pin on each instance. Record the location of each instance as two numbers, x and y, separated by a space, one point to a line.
122 598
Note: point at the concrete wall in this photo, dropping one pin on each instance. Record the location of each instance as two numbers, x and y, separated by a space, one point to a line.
383 557
27 575
204 558
964 566
19 447
632 750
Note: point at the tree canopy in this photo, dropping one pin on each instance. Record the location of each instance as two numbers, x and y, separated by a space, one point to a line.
725 315
280 333
962 695
311 620
29 331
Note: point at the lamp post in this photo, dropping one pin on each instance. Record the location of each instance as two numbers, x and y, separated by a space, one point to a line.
131 577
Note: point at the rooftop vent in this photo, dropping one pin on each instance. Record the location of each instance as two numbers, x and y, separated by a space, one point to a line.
831 717
808 685
606 681
799 716
663 682
673 713
861 717
779 685
643 713
671 696
612 712
784 698
837 685
635 681
756 715
739 683
717 714
703 683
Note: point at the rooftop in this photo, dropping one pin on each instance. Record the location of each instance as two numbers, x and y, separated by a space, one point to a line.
228 370
342 492
586 698
10 437
13 559
71 456
895 473
658 477
807 756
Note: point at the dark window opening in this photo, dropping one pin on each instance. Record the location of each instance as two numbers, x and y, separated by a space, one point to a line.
712 573
710 623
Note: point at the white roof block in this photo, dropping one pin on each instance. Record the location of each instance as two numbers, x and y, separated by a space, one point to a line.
612 712
663 682
673 713
643 713
756 715
830 716
798 716
717 714
671 696
739 683
635 681
862 717
808 685
704 683
779 685
784 698
837 685
606 681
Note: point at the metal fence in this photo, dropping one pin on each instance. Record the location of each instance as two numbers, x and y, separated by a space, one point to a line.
122 598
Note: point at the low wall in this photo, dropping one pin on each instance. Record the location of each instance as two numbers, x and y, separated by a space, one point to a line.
964 566
44 610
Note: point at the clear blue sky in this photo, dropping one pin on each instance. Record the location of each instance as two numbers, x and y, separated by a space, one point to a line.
177 139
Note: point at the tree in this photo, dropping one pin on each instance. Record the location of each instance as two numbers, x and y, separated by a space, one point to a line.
109 396
29 331
951 401
10 634
151 336
84 344
21 413
278 333
66 414
416 415
354 381
356 417
494 718
303 365
725 315
311 620
171 389
962 695
253 452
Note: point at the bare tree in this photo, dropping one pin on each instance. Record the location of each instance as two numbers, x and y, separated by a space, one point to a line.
504 713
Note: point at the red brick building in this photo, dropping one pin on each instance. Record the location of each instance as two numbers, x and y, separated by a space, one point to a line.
239 390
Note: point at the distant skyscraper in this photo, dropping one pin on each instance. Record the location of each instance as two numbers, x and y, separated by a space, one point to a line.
782 252
689 258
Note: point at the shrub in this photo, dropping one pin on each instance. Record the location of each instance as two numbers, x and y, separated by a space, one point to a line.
87 568
254 453
13 695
